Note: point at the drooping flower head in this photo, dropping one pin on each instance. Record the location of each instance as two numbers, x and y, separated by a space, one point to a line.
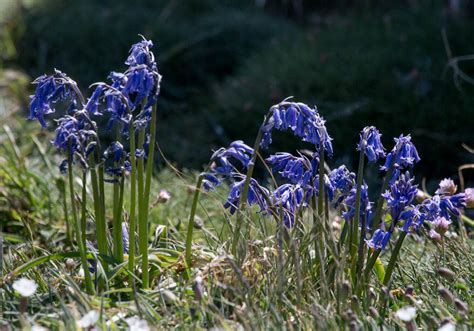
400 195
224 166
298 169
303 121
289 198
370 144
51 90
342 181
469 195
403 154
140 54
365 204
256 195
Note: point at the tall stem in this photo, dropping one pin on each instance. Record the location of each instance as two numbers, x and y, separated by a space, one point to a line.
321 182
355 223
244 192
117 224
378 211
133 199
189 236
142 241
77 226
393 258
84 208
99 220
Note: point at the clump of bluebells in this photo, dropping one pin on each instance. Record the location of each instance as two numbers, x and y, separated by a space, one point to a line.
128 104
305 185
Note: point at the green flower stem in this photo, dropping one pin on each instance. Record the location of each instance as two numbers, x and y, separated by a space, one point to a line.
393 258
77 227
84 208
189 236
244 192
371 262
355 222
146 200
99 220
142 241
133 200
117 225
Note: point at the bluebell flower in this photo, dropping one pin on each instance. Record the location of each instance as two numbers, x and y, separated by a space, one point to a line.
290 198
114 151
365 205
403 154
238 151
140 54
49 91
413 217
296 169
210 181
370 144
93 103
125 237
329 187
141 83
256 195
303 121
443 206
342 181
400 195
379 239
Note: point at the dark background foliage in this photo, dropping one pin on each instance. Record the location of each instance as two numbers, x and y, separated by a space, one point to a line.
225 62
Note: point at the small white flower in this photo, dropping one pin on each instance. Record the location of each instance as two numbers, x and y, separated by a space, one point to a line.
137 324
88 319
26 287
37 327
406 314
448 327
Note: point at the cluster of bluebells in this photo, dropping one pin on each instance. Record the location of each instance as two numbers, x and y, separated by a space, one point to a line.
305 123
129 97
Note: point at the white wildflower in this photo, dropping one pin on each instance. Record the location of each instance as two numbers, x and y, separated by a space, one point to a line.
88 319
406 314
137 324
448 327
26 287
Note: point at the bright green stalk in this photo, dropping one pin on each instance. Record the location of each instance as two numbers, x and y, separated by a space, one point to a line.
99 220
146 199
133 201
355 222
142 226
393 258
189 236
77 226
84 208
117 225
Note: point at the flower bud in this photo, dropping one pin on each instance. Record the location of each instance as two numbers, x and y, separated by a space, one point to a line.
461 306
435 236
446 295
469 194
163 197
446 187
441 225
446 273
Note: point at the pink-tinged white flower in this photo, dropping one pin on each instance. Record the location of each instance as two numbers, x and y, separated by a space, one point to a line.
88 319
446 187
137 324
25 287
441 224
447 327
435 235
406 314
469 194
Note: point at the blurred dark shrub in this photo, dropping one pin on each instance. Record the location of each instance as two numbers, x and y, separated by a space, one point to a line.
382 70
